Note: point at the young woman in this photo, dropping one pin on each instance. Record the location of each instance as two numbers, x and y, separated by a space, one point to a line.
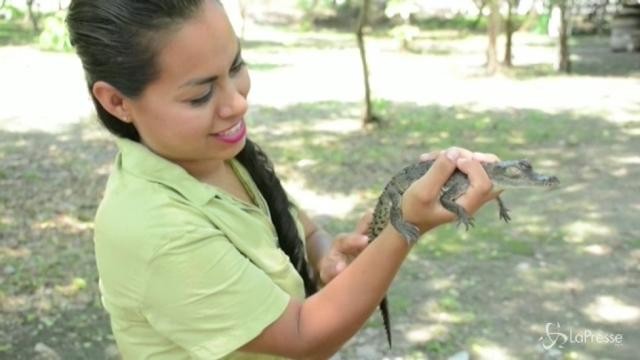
200 252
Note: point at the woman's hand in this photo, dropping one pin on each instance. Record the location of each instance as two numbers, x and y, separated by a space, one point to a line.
421 201
344 249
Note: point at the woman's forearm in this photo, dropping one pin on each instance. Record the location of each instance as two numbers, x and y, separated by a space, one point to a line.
332 316
317 327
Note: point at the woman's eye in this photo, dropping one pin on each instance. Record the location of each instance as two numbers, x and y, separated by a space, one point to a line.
237 67
202 100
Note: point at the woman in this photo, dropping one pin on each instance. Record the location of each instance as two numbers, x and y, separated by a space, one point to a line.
200 252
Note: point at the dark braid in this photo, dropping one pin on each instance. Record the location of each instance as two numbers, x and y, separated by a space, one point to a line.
261 170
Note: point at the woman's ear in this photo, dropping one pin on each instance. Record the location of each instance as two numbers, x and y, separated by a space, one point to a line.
111 100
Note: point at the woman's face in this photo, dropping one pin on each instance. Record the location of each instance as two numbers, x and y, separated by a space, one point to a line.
194 111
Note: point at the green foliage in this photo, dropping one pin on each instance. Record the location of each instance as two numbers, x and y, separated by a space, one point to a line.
14 30
457 22
54 36
11 13
542 24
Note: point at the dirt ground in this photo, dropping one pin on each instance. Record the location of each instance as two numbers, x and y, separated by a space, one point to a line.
566 268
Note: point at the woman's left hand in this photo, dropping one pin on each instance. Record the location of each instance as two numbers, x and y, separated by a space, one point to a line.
344 249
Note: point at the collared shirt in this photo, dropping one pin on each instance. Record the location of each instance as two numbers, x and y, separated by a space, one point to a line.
187 271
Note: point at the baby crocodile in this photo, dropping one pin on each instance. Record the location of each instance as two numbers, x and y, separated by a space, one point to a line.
503 174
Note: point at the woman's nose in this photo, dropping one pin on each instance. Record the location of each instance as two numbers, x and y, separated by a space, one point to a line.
233 103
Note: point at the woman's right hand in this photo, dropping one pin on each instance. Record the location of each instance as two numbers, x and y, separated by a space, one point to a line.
421 201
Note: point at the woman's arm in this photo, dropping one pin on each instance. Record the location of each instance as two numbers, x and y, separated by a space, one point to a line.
318 326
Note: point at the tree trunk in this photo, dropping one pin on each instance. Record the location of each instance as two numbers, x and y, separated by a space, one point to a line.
32 16
493 29
508 51
362 22
310 13
564 61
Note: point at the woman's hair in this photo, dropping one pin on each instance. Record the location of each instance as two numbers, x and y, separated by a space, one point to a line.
118 42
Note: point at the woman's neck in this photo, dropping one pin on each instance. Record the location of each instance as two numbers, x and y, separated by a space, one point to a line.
210 172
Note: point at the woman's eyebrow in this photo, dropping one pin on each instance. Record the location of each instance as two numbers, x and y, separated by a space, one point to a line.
200 81
211 79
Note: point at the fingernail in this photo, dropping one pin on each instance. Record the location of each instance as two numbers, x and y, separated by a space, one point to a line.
453 154
340 266
364 239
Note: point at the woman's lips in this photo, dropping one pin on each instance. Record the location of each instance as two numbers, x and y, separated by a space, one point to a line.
234 134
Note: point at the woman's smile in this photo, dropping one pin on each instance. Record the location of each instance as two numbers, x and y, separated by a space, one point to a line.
233 134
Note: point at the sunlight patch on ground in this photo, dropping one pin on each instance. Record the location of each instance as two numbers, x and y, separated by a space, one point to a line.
339 126
548 163
486 350
628 160
612 310
5 221
66 222
632 131
41 91
425 333
598 249
321 204
581 231
443 283
621 172
574 188
447 310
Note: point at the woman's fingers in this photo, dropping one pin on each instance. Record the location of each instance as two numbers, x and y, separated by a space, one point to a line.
421 200
430 184
350 244
480 186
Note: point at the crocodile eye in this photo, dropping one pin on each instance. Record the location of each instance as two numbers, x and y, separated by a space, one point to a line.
525 164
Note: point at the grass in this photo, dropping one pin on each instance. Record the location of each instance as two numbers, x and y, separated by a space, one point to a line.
491 247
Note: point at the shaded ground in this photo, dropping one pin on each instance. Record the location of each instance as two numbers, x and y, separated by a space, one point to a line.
570 257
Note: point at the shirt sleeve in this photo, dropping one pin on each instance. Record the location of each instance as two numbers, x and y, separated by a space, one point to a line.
208 298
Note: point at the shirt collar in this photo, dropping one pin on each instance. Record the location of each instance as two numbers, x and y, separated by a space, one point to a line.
138 160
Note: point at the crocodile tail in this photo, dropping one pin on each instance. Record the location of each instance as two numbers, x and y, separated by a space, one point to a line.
384 310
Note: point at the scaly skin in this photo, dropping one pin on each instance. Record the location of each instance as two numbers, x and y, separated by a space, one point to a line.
503 175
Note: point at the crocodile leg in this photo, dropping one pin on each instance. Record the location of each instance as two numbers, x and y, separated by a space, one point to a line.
448 202
504 212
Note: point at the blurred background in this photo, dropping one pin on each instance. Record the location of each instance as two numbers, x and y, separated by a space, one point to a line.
345 93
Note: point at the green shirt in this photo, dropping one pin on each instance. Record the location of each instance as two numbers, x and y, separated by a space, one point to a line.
186 270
